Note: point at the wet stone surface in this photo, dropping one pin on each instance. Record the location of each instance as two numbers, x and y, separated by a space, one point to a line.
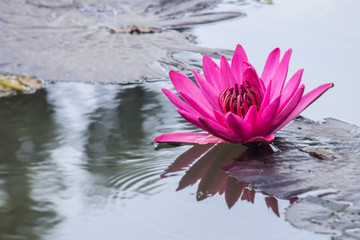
67 40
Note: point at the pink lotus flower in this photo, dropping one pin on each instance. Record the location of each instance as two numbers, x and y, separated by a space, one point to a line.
233 104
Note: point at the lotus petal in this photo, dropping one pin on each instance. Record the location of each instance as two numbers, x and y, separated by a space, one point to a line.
233 104
270 66
306 100
188 137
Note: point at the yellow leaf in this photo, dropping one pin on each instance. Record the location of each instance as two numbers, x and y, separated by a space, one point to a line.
318 153
13 83
29 81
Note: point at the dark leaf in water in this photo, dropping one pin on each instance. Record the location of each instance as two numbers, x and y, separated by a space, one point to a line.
318 159
92 41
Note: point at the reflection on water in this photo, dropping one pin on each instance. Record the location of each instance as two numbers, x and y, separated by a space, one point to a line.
77 161
25 130
205 164
94 139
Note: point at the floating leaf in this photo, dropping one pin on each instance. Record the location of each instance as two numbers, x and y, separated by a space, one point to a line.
296 173
30 81
63 40
11 85
326 216
5 91
134 29
321 154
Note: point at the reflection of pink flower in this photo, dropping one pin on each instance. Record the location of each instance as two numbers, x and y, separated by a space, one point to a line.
233 104
209 165
203 163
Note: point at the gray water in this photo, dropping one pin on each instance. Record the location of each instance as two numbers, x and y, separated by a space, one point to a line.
77 160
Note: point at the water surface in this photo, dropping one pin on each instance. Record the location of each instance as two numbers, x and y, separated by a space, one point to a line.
77 160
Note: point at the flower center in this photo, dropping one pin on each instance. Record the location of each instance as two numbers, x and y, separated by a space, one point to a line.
239 99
